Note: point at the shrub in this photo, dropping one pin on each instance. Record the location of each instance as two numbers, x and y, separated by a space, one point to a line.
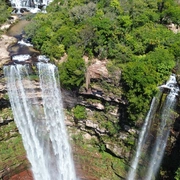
79 112
72 72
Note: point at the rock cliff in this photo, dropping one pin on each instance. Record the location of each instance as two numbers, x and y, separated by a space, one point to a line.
102 141
103 127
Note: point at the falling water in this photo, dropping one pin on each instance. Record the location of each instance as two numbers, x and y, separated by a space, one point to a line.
162 135
30 5
164 128
40 120
132 172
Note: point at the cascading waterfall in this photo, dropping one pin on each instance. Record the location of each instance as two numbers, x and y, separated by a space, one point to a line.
164 128
31 5
147 123
40 120
161 136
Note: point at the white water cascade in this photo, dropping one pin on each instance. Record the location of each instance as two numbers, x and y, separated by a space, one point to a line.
147 123
40 120
31 5
161 136
164 128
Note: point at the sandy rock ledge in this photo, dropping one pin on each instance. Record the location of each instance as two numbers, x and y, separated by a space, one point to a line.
5 41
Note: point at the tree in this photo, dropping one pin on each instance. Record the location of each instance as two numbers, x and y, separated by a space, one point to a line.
5 11
72 71
140 83
169 11
162 60
52 50
142 12
148 37
79 112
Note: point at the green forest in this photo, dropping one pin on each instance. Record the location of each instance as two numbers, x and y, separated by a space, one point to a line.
133 34
5 11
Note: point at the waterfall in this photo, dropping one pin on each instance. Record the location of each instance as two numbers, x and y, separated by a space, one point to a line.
147 123
164 128
161 136
33 6
40 120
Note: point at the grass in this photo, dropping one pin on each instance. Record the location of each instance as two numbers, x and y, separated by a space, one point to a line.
6 113
94 163
12 152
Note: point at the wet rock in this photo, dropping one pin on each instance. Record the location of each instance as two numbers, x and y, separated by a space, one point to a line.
93 105
178 79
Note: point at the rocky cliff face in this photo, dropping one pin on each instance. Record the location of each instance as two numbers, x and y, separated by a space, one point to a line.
102 141
171 158
103 127
12 154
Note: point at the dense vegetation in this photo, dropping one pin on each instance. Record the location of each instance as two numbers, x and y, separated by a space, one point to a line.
4 11
132 34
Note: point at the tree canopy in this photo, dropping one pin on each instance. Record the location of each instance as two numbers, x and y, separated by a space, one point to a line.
5 11
131 33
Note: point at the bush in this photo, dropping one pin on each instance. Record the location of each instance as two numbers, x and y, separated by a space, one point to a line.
177 177
5 11
79 112
141 78
72 72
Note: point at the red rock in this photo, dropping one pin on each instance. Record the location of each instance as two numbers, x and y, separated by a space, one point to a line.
25 175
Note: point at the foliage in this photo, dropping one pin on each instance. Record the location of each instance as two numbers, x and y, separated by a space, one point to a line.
169 11
72 71
97 163
140 85
11 147
142 77
132 34
177 177
5 11
79 112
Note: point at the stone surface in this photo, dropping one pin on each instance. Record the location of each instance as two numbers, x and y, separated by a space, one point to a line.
98 69
5 41
117 150
24 175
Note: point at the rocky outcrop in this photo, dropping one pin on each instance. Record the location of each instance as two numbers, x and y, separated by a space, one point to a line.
173 27
103 127
104 102
5 41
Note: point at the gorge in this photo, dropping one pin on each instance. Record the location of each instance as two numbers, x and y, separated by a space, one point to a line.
102 136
